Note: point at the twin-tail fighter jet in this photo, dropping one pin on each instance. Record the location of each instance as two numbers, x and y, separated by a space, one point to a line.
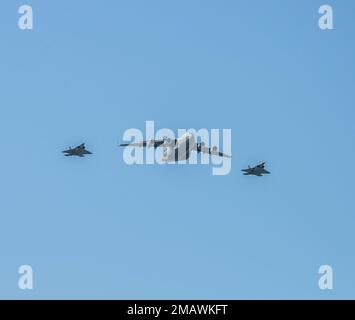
178 149
258 170
78 151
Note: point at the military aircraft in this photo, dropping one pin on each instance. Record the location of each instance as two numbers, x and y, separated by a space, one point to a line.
179 149
257 170
77 151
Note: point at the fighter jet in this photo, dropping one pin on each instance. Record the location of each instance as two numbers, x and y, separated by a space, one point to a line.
178 149
257 170
77 151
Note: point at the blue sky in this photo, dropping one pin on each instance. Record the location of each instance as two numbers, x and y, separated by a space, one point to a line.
96 228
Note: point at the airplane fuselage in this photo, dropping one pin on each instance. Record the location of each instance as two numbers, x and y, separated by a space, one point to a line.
75 152
78 151
257 171
182 148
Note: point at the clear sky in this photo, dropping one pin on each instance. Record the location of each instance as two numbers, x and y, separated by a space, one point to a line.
96 228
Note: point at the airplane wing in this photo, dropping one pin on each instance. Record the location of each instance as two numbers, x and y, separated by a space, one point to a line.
212 151
155 143
261 165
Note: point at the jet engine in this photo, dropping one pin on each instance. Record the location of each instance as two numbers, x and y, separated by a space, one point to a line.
167 142
150 143
199 146
165 152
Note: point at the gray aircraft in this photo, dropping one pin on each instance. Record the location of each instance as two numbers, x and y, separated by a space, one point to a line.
180 149
77 151
257 170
